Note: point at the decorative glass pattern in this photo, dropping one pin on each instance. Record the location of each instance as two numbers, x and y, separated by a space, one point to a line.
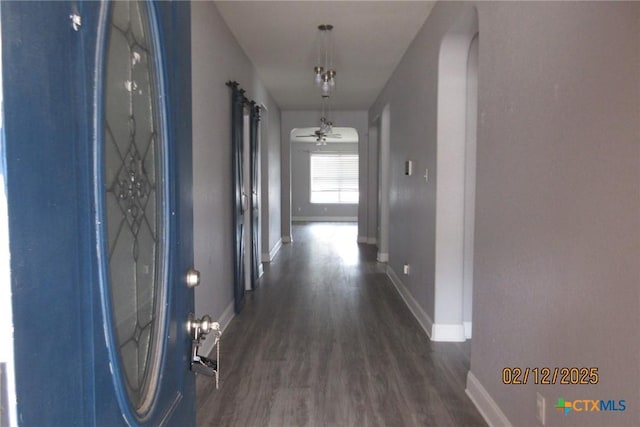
133 176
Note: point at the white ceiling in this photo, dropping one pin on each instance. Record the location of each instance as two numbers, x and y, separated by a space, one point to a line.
280 37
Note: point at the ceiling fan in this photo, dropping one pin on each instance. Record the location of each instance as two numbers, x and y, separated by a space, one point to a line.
325 130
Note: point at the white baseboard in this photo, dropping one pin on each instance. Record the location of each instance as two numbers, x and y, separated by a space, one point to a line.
362 239
286 239
423 318
467 329
372 240
448 332
383 257
325 218
227 315
487 407
272 253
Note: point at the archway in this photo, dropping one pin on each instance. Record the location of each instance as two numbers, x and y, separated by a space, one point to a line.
455 209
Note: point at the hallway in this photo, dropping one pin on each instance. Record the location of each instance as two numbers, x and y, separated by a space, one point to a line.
327 341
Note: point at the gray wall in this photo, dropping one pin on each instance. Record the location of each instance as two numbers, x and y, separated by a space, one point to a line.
557 228
217 58
301 207
298 119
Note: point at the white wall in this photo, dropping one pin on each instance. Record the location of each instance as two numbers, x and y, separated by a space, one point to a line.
298 119
217 58
557 228
270 182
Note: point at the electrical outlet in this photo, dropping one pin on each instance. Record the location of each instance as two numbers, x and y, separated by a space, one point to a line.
541 407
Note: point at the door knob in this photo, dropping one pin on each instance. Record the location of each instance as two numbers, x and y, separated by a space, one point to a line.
198 328
192 278
206 325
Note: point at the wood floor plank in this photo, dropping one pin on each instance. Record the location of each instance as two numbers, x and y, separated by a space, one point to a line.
327 341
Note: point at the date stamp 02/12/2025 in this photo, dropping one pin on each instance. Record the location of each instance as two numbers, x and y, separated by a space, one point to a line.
545 375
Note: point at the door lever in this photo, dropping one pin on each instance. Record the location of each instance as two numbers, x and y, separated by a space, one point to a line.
199 329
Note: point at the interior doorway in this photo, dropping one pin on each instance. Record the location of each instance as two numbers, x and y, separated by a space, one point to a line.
383 126
373 216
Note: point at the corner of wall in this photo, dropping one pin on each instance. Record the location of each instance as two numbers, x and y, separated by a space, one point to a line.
268 257
442 332
485 404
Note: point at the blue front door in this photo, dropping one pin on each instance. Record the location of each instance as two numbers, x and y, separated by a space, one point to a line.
97 137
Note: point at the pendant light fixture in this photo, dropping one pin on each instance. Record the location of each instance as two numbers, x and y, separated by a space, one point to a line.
325 74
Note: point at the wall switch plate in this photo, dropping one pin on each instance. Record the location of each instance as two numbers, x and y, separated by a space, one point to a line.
408 167
541 408
406 269
426 175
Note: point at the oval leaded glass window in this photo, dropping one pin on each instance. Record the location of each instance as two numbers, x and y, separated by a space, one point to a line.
135 196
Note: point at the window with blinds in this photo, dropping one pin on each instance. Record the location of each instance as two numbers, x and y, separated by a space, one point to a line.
334 178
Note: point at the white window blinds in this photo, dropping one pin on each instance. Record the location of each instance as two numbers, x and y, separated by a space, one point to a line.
334 178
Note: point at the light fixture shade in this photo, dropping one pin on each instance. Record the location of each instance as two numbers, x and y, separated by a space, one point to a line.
318 71
326 88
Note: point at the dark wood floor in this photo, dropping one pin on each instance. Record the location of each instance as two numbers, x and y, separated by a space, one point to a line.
327 341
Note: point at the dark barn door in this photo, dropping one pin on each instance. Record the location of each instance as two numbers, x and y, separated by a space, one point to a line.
239 200
255 201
